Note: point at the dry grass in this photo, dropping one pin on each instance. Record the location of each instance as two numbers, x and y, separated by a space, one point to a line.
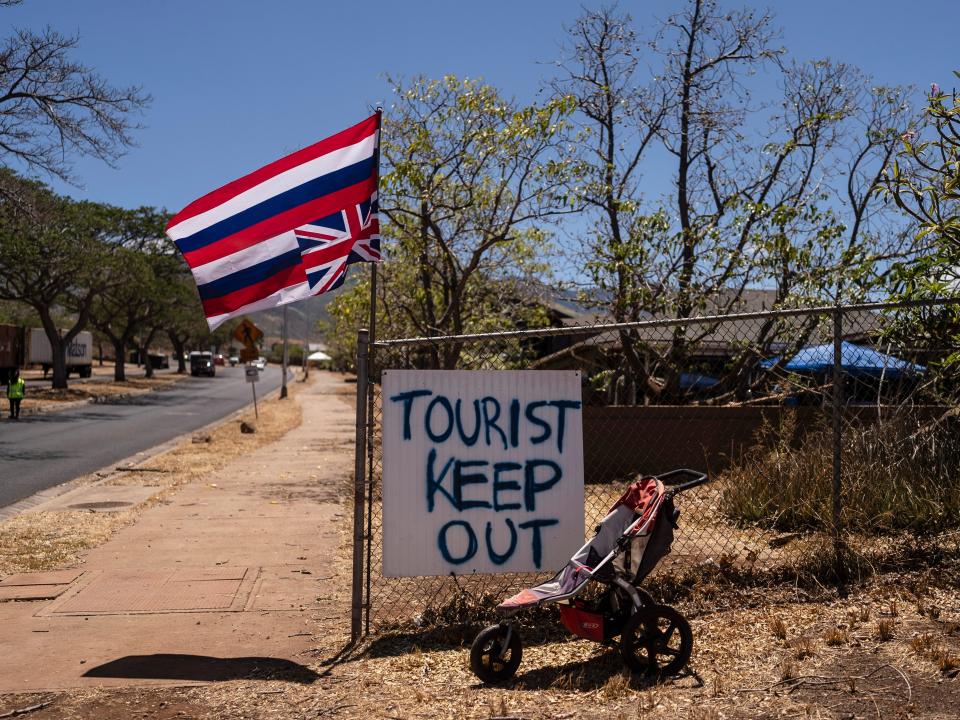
777 627
33 541
884 630
803 647
898 475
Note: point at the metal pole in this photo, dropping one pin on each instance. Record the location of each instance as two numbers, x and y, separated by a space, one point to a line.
837 437
306 341
359 475
370 408
283 381
256 410
370 361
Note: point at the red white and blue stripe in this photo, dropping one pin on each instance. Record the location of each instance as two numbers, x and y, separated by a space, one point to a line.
250 244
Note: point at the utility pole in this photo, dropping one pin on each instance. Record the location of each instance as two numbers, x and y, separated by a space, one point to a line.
283 381
306 339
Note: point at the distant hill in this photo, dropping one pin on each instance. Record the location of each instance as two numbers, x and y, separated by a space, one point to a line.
298 315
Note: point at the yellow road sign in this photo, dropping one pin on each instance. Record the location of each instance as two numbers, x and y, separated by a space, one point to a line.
248 333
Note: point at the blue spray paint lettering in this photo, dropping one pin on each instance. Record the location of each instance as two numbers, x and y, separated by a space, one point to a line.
495 557
428 419
536 542
407 399
504 485
435 483
468 440
532 486
491 422
445 546
460 479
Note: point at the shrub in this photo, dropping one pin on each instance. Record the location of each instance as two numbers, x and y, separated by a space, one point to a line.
898 474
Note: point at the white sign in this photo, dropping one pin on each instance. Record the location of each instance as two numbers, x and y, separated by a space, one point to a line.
253 374
482 471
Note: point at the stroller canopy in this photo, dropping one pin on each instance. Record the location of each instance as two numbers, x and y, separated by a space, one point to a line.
641 499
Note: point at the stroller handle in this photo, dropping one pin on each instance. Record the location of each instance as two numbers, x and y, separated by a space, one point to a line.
699 478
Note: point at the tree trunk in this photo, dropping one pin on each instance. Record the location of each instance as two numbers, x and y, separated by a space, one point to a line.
145 353
178 350
58 350
119 368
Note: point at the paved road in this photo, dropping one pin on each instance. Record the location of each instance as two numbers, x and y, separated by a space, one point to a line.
40 451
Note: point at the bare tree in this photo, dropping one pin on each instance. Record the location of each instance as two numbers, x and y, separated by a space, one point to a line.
53 107
762 194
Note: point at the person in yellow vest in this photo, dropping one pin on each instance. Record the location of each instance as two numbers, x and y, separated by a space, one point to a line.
15 390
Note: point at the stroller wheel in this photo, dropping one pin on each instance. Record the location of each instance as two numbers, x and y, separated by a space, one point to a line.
495 653
656 641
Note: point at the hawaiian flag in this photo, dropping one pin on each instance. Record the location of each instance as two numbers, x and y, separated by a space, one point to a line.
257 242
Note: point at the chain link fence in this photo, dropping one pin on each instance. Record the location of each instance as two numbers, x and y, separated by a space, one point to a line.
818 427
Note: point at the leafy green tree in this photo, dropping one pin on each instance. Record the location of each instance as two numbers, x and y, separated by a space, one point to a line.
143 271
55 256
184 321
925 183
470 179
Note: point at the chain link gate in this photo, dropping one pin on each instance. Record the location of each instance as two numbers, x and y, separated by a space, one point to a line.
770 404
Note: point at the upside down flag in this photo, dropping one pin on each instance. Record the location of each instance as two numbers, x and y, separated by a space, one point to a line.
286 231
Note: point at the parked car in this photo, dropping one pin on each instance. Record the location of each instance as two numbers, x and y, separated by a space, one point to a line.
201 363
260 363
234 361
159 361
219 359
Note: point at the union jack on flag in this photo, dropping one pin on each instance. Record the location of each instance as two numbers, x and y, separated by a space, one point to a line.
252 245
330 244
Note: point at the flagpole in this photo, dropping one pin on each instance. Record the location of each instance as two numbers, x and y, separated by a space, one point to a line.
371 369
373 266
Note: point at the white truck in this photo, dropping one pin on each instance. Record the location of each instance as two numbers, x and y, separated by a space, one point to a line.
79 352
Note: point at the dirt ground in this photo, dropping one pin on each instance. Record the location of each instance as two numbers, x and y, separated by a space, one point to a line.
890 650
887 649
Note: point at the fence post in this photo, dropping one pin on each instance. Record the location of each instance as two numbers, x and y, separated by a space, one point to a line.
837 439
359 485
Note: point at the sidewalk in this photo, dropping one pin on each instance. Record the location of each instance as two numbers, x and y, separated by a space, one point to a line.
223 581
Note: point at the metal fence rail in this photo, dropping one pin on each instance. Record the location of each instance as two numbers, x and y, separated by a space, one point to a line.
789 412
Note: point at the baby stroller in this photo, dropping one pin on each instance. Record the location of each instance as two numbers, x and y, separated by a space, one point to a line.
655 640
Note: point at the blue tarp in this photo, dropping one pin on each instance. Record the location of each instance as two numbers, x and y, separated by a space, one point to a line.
853 359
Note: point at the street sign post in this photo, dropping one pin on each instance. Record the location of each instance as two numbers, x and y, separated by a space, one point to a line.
248 333
253 377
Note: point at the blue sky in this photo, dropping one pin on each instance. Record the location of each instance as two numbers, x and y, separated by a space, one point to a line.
237 84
